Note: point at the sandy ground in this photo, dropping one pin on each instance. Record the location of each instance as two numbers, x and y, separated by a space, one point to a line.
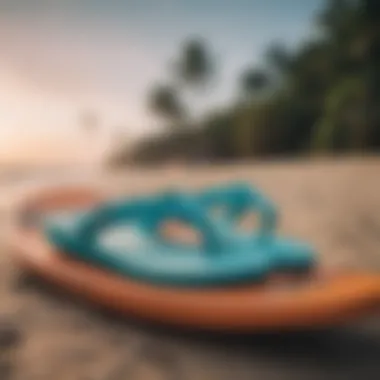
333 204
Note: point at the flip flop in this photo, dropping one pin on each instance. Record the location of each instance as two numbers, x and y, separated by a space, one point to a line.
320 299
141 251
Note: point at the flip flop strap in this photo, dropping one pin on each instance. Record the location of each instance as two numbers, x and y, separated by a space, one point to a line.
150 214
239 199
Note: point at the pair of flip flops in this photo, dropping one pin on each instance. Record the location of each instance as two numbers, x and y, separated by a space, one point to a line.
126 237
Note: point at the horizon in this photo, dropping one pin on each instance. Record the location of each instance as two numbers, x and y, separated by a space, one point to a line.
64 58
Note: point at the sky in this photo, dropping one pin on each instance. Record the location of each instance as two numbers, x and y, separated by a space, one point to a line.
61 57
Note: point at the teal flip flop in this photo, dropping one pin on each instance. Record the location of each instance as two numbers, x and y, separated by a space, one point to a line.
143 253
125 237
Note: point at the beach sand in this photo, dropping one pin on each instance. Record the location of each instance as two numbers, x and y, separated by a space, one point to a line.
334 204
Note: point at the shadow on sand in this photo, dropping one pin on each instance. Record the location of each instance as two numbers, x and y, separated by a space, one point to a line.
350 352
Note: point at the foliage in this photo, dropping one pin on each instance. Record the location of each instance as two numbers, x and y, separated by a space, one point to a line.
326 94
195 66
165 102
254 81
193 69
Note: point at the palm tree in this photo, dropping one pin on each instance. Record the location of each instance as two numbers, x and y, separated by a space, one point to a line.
193 69
164 101
254 82
195 66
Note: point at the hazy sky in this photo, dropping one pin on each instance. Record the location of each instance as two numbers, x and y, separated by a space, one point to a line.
60 56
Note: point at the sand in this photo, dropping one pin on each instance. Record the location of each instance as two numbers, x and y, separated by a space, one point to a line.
335 204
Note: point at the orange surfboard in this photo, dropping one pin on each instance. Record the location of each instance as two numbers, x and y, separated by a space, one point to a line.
318 300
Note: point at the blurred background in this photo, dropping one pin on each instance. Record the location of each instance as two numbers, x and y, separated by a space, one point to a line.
141 94
121 82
